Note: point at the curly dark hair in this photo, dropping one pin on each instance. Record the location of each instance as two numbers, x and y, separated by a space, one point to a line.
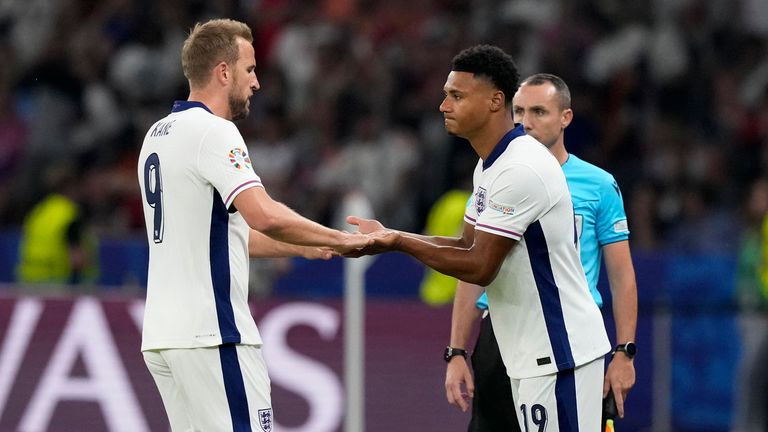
491 63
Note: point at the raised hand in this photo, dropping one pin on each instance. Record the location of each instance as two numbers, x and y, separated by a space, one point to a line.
381 241
365 226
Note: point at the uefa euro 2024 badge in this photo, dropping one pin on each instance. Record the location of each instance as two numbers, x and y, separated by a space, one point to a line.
239 158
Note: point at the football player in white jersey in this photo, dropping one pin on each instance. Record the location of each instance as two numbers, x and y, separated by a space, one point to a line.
519 242
206 212
542 104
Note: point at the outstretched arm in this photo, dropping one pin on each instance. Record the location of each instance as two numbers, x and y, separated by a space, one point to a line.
463 319
620 376
477 264
474 258
279 222
368 226
262 246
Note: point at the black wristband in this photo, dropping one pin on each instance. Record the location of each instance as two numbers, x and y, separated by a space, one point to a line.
450 352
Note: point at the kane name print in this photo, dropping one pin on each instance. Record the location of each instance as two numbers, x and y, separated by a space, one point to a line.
161 129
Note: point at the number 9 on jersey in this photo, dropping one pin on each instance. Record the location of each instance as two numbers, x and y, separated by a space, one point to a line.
153 192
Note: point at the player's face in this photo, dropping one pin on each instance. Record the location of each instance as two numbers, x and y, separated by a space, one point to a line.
537 108
467 103
244 81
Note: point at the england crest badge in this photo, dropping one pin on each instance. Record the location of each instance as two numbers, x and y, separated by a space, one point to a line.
265 419
480 197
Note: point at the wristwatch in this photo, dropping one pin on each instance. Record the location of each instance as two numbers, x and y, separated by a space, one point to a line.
450 352
629 348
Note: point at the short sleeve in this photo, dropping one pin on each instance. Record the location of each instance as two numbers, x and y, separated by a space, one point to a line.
470 212
516 198
224 162
611 219
482 302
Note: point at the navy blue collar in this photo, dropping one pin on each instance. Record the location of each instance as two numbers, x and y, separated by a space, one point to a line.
181 105
502 145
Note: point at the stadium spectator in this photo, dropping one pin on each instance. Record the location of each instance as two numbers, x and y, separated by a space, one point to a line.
445 218
712 87
751 413
57 247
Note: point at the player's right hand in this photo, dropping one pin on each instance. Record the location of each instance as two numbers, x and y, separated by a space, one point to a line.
353 242
457 375
365 226
381 241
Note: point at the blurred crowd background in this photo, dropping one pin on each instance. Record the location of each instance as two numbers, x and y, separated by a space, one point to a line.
670 96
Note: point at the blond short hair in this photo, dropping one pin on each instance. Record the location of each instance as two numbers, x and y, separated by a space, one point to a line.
209 44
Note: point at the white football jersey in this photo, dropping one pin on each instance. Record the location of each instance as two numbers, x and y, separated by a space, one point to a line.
191 167
544 317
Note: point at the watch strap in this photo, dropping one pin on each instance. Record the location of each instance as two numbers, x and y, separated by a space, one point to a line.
451 352
628 348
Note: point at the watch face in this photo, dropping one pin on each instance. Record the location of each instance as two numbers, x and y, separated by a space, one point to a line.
631 349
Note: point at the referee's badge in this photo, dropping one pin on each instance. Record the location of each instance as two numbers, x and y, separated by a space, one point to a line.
480 196
265 419
239 158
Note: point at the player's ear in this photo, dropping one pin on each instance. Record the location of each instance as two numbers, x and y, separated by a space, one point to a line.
222 72
566 117
497 101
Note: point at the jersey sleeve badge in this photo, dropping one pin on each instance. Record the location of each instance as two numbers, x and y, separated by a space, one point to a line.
239 158
480 197
501 208
621 226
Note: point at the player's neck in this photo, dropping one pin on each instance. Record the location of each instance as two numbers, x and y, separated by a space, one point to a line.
487 138
218 105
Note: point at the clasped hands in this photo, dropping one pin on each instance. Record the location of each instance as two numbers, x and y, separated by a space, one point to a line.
380 239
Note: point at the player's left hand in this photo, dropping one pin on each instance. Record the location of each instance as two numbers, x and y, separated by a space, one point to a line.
323 253
382 241
620 378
